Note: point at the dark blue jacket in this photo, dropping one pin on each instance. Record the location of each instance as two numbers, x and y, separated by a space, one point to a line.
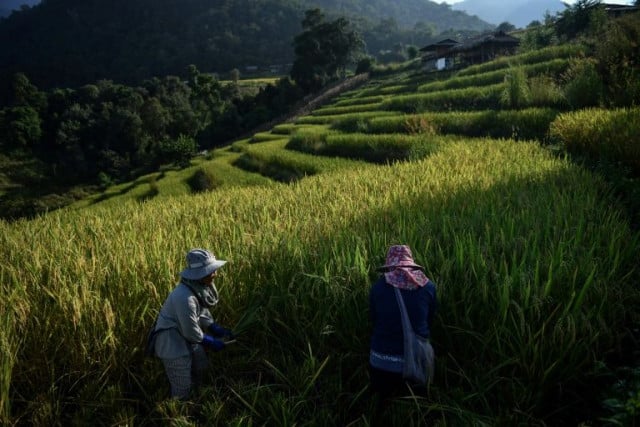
386 337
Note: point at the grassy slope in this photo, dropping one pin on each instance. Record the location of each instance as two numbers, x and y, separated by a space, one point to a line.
531 256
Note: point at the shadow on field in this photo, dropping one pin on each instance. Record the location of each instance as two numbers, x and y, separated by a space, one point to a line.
515 266
149 194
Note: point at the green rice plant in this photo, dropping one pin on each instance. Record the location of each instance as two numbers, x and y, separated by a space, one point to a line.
291 128
269 159
173 183
201 180
553 67
516 89
623 399
309 139
371 148
545 91
395 89
583 86
393 68
483 79
284 129
347 118
359 101
564 51
358 122
390 85
599 133
14 310
265 136
358 108
530 123
454 99
533 260
420 125
238 146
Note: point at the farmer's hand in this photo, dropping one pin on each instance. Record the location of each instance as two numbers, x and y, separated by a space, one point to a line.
219 331
212 343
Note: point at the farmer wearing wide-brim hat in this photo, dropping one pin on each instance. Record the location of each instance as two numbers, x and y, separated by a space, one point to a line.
418 293
185 327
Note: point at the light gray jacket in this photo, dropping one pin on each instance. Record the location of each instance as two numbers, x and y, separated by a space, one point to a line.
184 321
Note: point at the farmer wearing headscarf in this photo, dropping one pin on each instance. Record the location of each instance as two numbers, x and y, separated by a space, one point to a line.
387 345
185 327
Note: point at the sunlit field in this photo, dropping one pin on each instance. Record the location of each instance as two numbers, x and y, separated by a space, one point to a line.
531 259
535 263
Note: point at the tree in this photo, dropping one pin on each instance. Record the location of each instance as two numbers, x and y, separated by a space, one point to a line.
506 27
20 128
618 53
412 52
205 97
577 18
234 75
323 50
19 91
365 64
178 151
539 35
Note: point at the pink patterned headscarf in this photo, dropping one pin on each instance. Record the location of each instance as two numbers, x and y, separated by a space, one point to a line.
401 271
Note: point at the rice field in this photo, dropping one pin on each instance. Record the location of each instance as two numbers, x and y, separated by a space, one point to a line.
534 260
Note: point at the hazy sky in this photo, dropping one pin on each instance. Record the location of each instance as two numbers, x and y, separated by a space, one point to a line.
566 1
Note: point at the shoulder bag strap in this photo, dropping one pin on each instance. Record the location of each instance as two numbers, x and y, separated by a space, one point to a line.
406 323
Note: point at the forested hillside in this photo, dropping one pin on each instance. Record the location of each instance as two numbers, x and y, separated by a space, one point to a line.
481 171
68 43
406 13
7 6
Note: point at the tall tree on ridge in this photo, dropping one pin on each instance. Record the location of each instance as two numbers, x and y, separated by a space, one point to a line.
323 50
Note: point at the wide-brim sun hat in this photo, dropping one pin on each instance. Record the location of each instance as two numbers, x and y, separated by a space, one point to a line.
200 264
401 271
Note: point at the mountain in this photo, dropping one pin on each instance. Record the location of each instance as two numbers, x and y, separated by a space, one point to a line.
406 13
517 12
67 43
9 6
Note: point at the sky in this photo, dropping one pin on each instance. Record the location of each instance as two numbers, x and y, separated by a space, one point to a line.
566 1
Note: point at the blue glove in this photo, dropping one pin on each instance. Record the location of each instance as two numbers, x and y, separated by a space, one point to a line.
219 331
211 343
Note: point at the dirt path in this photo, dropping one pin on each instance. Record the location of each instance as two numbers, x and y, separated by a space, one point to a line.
308 104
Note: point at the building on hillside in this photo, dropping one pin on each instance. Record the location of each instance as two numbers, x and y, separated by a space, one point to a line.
484 48
435 52
473 51
617 10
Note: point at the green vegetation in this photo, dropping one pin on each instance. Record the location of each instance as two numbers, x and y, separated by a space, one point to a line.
107 133
538 56
603 134
530 123
521 204
324 50
489 219
372 148
470 98
269 159
554 67
129 42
